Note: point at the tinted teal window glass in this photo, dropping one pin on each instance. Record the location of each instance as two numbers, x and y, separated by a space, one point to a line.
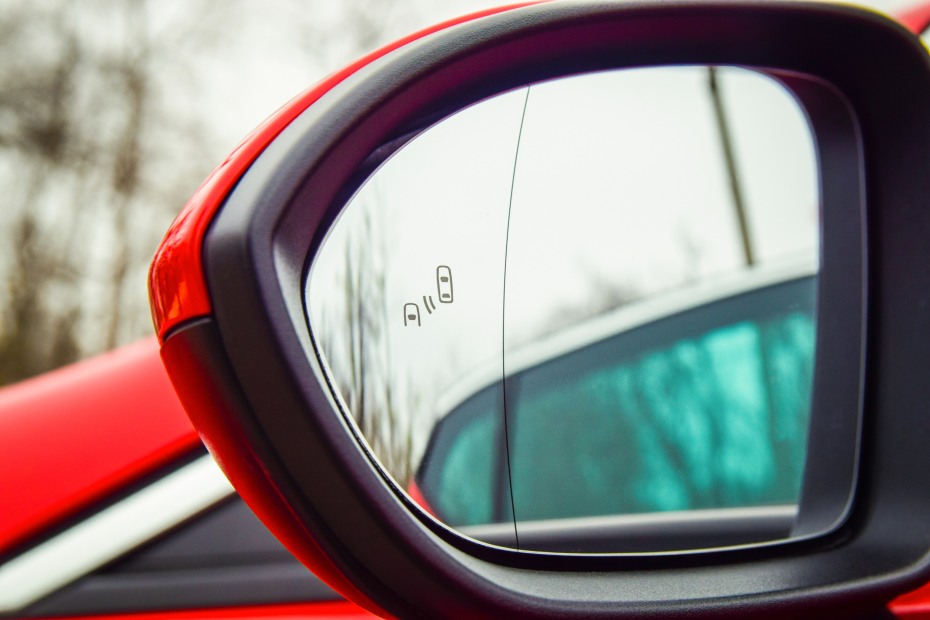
704 416
461 470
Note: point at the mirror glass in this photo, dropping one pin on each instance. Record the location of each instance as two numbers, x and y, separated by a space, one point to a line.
580 316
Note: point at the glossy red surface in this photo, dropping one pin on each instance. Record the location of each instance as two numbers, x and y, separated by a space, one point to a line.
73 436
177 289
339 610
413 490
917 18
913 606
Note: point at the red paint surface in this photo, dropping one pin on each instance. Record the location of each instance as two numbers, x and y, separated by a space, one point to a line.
413 490
177 289
913 606
338 610
916 18
71 437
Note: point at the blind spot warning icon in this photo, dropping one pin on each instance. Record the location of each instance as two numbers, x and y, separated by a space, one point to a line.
411 315
444 284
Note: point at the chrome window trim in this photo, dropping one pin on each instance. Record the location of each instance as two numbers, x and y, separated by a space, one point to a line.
108 534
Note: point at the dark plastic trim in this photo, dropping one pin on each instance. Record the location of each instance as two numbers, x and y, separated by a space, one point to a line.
255 255
224 557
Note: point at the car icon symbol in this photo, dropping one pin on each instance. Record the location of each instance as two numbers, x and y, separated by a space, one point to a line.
411 314
444 284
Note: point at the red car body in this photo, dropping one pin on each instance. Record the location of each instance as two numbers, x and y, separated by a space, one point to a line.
75 439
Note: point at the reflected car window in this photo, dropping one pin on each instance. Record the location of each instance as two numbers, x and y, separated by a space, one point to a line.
707 408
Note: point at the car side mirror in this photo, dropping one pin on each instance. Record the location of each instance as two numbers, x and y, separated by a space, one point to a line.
578 310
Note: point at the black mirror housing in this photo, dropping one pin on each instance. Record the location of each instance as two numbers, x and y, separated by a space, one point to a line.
250 375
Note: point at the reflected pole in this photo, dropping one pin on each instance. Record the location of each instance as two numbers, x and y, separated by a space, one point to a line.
726 142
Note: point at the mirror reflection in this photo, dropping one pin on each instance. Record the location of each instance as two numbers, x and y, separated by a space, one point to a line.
580 316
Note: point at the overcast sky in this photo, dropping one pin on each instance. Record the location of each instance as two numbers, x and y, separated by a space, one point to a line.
263 79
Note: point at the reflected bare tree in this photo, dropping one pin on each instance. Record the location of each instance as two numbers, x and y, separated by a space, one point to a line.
606 295
609 291
355 339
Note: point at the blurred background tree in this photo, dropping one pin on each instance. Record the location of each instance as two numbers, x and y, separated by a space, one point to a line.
111 113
